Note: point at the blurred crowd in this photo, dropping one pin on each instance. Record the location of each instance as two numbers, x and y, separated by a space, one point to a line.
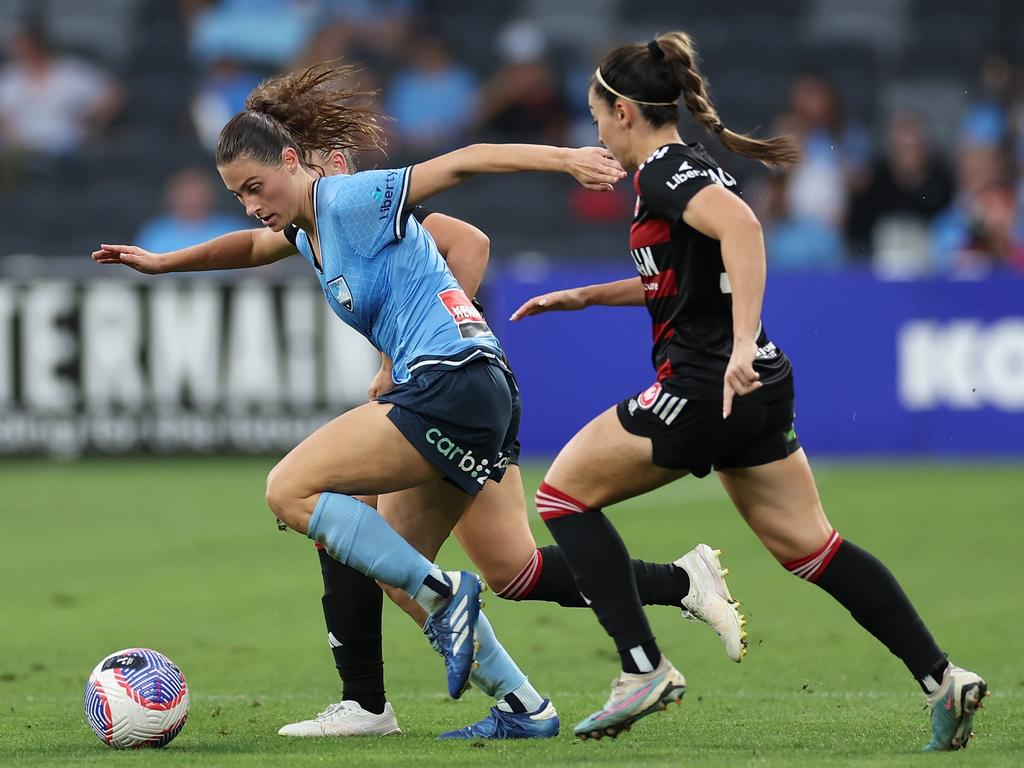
881 189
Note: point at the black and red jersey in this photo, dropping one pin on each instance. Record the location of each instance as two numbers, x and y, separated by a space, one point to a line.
686 287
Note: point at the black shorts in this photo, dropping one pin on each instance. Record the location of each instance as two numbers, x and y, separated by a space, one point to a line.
691 435
463 421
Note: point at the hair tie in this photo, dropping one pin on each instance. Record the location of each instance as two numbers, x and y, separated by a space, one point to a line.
718 127
656 51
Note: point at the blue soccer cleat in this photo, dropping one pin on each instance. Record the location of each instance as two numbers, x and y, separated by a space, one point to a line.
452 630
542 724
634 696
952 708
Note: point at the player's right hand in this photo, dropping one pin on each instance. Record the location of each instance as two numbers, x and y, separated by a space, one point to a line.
595 168
132 256
567 300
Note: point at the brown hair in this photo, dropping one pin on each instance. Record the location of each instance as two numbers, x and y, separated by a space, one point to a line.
665 70
310 111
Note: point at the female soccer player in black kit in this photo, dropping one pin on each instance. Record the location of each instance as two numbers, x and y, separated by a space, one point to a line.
723 398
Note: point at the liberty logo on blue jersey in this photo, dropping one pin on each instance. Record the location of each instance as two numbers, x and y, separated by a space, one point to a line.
340 291
386 197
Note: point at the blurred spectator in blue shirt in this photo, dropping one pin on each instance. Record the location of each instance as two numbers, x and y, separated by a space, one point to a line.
268 32
794 242
988 120
979 231
379 25
190 217
835 152
221 96
49 104
432 102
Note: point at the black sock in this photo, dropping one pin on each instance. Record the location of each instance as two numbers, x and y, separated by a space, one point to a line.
352 605
867 589
661 583
603 571
656 583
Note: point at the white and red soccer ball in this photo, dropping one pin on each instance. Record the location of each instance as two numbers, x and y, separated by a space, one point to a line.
136 698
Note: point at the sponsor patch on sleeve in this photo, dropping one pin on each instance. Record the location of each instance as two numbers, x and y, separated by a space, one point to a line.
469 320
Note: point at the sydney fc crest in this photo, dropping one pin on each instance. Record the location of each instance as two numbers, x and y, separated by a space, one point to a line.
339 290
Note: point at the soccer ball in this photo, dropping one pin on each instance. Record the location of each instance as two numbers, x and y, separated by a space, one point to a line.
136 698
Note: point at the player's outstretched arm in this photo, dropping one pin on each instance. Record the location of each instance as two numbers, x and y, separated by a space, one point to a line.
620 293
235 250
593 167
463 246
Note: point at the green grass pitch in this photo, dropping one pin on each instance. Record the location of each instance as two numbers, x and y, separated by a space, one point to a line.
182 556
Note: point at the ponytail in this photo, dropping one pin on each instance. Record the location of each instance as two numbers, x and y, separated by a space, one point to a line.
658 74
309 111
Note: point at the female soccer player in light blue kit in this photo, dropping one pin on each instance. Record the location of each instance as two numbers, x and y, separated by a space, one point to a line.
449 424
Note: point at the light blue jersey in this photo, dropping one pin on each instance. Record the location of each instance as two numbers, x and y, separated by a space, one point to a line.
383 275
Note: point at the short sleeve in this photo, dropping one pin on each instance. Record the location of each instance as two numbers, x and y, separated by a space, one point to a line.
667 185
368 207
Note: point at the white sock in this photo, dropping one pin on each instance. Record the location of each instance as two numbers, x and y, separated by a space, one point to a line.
435 591
527 696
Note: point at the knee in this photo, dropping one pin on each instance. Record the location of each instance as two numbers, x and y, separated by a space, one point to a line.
499 578
810 562
514 580
288 506
552 503
789 533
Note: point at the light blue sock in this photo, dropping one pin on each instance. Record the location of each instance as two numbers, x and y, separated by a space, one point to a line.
498 675
353 533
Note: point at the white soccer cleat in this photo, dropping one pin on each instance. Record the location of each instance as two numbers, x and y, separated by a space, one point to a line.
345 718
709 599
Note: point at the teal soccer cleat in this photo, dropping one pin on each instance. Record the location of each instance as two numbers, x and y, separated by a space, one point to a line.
952 708
633 697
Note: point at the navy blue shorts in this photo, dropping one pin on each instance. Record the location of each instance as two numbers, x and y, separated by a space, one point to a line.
691 435
463 421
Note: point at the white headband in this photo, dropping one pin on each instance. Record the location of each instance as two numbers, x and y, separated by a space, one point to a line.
597 74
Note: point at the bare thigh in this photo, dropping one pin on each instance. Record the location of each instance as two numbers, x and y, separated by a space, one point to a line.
495 531
780 503
604 464
359 452
425 515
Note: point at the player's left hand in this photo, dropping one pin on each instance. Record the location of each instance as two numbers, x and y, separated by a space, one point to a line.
740 376
382 383
595 168
139 259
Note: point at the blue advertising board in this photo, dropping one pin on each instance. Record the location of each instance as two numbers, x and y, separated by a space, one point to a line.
882 368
